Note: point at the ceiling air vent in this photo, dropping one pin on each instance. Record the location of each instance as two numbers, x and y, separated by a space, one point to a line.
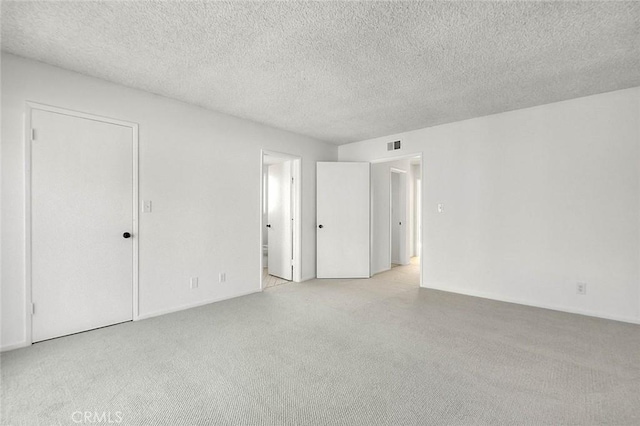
392 146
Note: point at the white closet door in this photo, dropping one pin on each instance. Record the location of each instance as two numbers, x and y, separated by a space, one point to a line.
81 202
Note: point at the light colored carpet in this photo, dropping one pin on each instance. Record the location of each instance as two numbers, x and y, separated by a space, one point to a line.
377 351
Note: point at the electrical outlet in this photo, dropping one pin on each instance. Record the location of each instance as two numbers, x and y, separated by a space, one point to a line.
223 277
581 288
194 282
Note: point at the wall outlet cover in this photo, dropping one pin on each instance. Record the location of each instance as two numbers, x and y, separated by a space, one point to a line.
581 288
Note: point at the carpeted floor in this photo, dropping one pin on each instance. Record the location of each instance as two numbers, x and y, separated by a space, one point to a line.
328 352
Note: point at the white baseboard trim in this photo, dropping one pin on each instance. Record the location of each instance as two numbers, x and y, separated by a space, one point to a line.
194 305
13 346
538 305
24 344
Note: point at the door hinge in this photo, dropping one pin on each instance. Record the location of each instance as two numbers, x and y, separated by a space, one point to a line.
33 308
33 134
291 262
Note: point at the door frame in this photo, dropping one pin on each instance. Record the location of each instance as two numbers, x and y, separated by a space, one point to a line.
29 108
296 203
397 171
422 200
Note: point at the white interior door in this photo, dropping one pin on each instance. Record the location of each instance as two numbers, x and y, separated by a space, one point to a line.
419 217
81 206
396 218
279 221
399 219
343 196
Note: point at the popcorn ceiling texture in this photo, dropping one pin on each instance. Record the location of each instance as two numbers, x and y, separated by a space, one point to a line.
340 71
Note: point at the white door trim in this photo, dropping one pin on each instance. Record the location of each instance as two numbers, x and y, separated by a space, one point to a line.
30 106
395 170
296 172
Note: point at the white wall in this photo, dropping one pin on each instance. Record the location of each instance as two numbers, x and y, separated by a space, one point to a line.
201 169
535 201
380 204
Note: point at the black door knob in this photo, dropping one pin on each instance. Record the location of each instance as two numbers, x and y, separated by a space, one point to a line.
320 226
126 235
268 226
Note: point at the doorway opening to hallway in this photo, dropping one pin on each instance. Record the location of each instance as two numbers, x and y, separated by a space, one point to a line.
396 228
280 219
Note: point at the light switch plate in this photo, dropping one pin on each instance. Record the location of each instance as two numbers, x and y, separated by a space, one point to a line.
146 206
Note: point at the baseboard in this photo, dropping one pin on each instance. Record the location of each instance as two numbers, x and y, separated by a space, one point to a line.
13 346
24 344
308 277
193 305
539 305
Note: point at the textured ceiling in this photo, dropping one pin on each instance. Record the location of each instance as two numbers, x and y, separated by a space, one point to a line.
340 71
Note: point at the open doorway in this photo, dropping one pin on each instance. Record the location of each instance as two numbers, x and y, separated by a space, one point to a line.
395 218
280 224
